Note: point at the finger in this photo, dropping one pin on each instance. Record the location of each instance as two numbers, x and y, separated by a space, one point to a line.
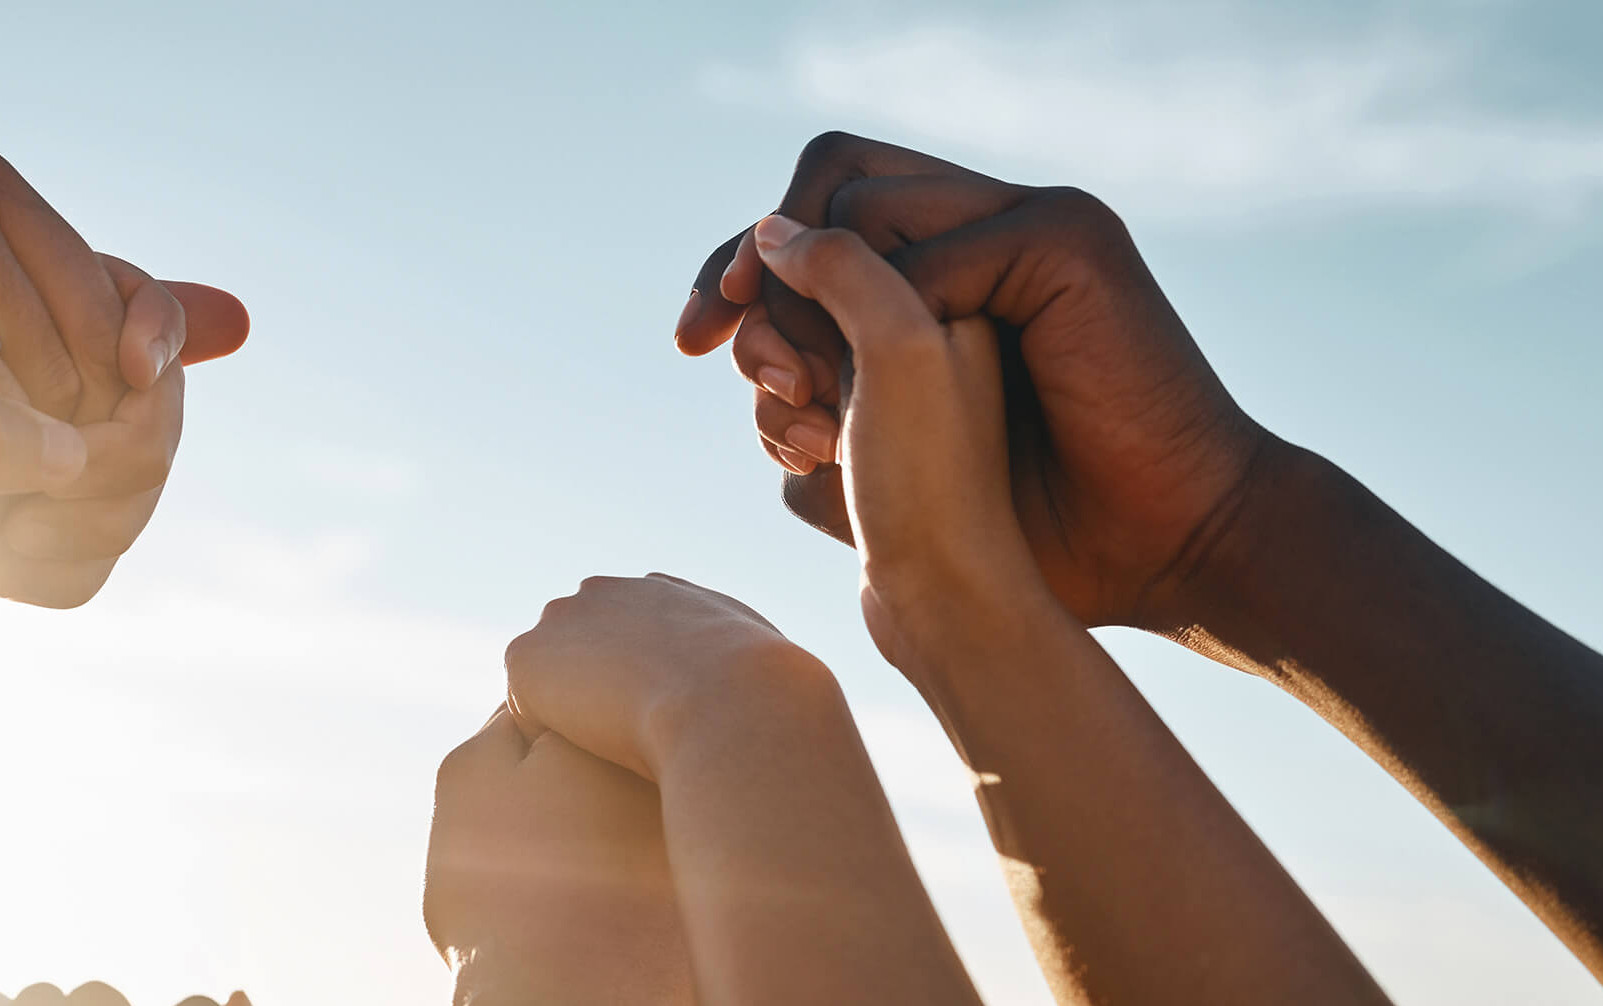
876 309
153 326
30 346
762 356
792 463
889 212
51 583
134 451
825 164
1009 266
488 755
741 282
74 288
708 320
218 322
819 500
37 452
39 527
810 431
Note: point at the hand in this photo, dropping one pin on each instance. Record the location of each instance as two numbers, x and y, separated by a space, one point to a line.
1140 452
923 449
87 339
547 878
623 666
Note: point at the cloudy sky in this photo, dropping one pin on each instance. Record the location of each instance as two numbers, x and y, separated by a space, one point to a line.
464 236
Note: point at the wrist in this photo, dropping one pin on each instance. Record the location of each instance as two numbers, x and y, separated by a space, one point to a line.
751 693
1291 508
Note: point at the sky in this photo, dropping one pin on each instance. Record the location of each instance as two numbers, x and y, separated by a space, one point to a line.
464 233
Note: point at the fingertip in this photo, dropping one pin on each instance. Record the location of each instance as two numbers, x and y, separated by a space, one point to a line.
217 323
714 325
774 232
708 320
795 461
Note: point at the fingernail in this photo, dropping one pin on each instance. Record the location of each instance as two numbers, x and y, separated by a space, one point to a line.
688 315
796 463
781 382
812 442
776 231
63 452
159 358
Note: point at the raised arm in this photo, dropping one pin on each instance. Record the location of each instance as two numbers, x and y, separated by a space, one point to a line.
1135 878
1157 502
792 880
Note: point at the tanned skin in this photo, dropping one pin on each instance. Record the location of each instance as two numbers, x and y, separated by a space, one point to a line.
1151 499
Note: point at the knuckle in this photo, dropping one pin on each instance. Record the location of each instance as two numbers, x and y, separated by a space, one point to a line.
832 251
848 206
453 768
772 415
828 149
1098 230
746 355
521 650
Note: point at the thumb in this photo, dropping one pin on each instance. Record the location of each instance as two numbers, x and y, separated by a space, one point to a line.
218 322
37 453
877 310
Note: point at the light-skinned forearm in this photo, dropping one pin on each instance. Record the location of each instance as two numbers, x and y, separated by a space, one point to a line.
1136 880
792 878
1492 717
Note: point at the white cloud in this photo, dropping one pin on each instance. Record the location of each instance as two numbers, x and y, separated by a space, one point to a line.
1206 115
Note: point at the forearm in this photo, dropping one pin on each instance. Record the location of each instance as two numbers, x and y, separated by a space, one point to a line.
1135 878
793 881
1488 714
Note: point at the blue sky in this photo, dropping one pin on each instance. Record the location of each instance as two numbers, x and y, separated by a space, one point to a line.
464 237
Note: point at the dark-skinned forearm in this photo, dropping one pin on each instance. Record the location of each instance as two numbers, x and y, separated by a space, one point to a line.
1489 715
1136 879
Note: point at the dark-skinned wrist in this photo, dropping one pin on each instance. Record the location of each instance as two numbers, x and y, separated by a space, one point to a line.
1212 599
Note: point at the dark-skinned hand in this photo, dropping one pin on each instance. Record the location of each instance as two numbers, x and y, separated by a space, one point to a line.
1127 450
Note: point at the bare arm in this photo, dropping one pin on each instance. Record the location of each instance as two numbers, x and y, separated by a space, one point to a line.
1137 881
792 880
1157 502
1490 715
